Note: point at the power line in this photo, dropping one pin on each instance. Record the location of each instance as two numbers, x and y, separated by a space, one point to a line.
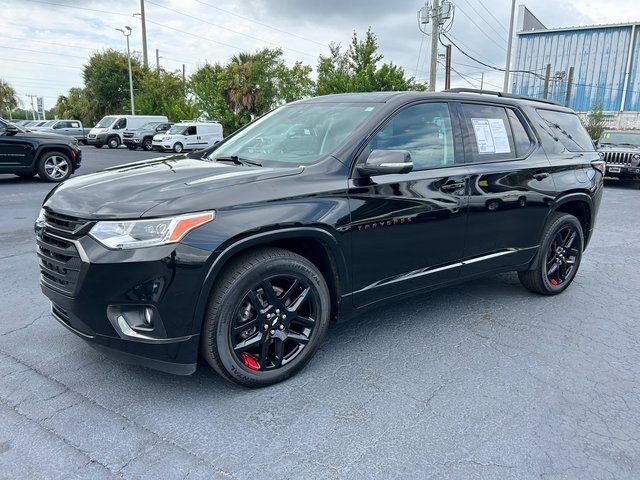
492 67
40 63
80 8
36 40
40 51
261 23
481 29
227 28
498 22
500 35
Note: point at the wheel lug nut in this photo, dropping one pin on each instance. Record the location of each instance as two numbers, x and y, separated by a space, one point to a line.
284 315
281 327
272 332
269 315
266 326
277 310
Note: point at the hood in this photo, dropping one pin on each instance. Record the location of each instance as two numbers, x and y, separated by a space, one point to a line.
129 191
619 148
45 135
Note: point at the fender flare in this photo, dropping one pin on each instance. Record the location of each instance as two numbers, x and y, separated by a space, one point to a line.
257 239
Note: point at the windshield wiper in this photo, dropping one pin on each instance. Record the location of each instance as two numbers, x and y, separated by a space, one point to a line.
238 160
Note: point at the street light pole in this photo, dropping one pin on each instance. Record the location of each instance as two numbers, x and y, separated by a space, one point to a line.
126 31
145 58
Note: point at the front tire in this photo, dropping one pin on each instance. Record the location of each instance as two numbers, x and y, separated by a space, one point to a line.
559 256
113 142
54 167
177 148
147 144
266 317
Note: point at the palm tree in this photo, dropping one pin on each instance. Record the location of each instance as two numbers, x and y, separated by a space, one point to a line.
9 99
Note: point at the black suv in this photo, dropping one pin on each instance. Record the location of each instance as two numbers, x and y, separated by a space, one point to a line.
319 210
52 157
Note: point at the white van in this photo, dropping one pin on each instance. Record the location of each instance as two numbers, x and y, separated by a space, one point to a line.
108 131
188 136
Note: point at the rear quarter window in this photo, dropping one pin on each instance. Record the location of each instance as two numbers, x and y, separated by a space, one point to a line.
568 130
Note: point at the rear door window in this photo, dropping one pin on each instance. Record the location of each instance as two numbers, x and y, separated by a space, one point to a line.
521 137
568 130
488 134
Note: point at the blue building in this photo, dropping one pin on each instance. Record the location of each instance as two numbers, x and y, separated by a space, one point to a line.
605 61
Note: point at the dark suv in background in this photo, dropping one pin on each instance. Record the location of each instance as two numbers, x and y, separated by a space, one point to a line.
319 210
25 153
620 149
143 136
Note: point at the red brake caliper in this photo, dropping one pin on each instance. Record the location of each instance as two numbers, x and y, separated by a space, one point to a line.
250 361
553 281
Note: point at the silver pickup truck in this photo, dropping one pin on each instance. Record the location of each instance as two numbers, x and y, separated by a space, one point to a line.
71 128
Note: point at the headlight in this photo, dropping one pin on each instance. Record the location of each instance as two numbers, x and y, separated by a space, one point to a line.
147 233
40 221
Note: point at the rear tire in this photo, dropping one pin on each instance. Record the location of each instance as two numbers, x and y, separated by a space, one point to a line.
558 258
249 341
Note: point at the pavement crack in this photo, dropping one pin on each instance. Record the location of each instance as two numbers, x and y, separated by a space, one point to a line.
23 327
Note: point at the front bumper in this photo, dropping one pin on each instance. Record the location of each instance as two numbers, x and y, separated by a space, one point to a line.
97 139
621 171
132 141
103 282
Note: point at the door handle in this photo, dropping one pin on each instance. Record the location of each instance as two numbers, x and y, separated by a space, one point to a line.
541 175
450 187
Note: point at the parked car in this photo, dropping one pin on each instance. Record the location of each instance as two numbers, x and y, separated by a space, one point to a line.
620 149
188 136
52 157
245 258
71 128
143 136
108 131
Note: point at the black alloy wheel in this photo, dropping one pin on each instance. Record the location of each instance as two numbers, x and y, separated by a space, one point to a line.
562 255
558 258
274 322
267 316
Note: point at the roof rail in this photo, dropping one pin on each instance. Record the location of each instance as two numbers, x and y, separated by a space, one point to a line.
500 94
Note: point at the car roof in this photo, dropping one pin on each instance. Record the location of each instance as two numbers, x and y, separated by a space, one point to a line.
408 96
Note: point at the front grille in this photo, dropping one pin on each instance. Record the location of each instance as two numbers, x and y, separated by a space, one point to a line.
59 263
127 135
65 224
92 135
60 312
618 158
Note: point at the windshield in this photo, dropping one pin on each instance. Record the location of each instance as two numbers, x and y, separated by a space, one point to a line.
150 126
105 122
617 138
300 134
176 130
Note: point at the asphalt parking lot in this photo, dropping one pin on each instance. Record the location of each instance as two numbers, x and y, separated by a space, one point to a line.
484 380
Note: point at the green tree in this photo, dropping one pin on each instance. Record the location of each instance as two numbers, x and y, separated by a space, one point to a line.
596 120
163 93
106 80
9 100
357 70
76 104
249 85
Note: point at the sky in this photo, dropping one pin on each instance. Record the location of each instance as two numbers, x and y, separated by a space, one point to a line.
44 43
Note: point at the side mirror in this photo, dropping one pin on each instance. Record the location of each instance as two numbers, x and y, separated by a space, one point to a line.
385 162
11 130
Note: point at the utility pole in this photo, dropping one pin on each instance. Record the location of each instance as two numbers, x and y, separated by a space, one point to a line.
126 31
567 99
447 67
435 32
145 58
33 109
482 81
547 78
157 60
507 65
184 79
